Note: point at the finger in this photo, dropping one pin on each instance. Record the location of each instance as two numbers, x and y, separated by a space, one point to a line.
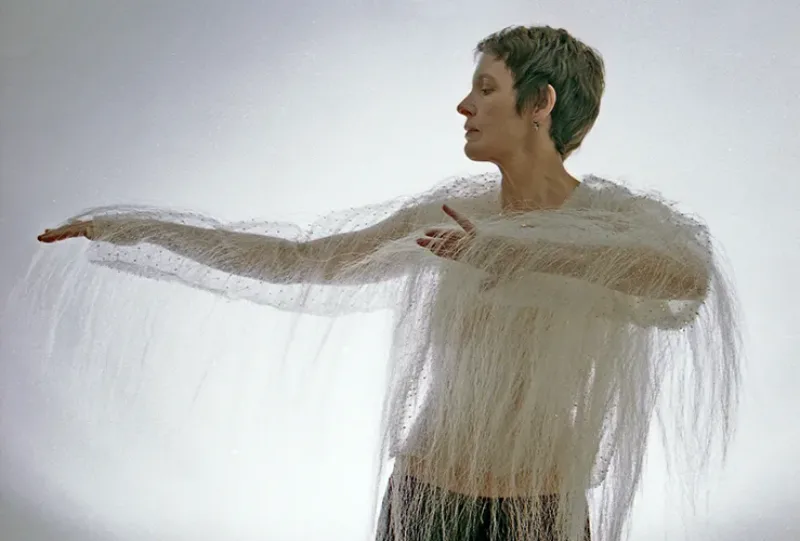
50 237
433 245
440 248
55 231
47 238
436 232
62 233
444 234
460 219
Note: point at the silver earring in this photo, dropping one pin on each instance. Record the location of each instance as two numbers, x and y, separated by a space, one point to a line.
536 125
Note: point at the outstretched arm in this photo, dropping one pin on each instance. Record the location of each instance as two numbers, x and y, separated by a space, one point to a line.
261 257
277 260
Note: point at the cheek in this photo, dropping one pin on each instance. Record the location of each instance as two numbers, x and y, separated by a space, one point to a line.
519 129
504 123
516 127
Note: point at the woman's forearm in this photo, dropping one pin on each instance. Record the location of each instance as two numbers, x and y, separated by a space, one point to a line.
634 271
249 255
333 259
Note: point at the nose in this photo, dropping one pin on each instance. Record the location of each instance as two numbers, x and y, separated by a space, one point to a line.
465 108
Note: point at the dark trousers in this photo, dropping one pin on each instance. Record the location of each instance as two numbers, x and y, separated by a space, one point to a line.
467 519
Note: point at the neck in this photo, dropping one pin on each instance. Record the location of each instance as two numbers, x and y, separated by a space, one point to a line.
535 183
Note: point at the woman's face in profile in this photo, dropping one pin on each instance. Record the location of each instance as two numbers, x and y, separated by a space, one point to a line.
494 130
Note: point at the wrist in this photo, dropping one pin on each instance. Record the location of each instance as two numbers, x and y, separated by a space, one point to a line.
122 230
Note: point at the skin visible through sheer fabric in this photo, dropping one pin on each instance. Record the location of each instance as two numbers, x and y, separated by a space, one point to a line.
535 322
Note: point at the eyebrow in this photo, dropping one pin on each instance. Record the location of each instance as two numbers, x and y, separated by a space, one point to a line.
484 77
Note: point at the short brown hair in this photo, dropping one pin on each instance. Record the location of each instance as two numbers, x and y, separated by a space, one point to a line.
541 55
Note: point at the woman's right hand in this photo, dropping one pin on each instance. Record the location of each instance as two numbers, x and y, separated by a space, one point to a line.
85 229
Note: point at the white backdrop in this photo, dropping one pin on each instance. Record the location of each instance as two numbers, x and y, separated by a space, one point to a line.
283 110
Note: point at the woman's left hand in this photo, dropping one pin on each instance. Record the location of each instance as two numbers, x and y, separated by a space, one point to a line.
449 243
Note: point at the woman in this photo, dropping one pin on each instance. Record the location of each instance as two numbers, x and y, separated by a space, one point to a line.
536 317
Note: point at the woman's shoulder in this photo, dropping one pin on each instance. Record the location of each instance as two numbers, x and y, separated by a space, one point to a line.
619 196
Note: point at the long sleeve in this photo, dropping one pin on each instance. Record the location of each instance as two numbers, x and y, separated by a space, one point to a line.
324 269
266 258
314 271
641 271
261 257
557 335
546 354
645 262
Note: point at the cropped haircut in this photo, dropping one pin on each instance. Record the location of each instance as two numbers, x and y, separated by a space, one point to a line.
541 55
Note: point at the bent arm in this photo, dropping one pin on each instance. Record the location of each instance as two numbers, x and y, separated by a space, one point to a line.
637 271
642 272
647 267
643 249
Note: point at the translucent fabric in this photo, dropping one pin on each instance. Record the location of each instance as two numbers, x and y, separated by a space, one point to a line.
532 365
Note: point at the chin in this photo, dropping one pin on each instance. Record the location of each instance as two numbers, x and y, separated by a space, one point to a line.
475 152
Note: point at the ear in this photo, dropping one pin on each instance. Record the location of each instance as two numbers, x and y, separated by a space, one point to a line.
547 104
551 98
